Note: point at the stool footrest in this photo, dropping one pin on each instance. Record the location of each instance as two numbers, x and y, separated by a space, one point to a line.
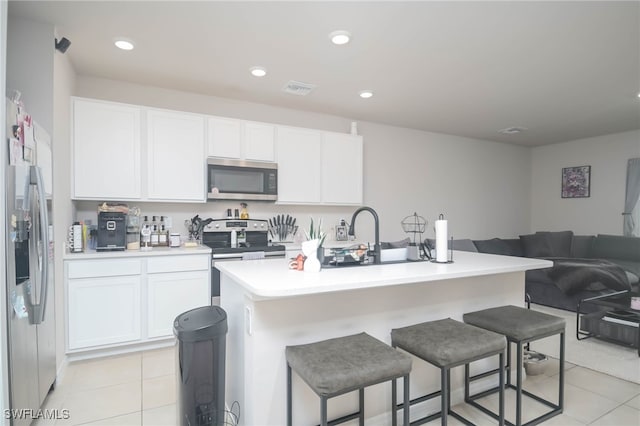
471 400
485 374
420 399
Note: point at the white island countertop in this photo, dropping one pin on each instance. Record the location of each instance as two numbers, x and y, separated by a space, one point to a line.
272 279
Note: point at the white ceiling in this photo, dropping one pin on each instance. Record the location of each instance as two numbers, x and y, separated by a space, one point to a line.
563 70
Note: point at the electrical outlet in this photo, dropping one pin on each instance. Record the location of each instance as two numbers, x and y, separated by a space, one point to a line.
341 233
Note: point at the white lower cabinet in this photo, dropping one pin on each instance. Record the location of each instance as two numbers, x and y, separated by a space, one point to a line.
122 301
103 311
169 295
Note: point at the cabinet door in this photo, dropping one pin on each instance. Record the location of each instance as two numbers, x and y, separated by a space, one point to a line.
176 156
259 140
298 155
106 150
223 138
342 169
171 294
103 311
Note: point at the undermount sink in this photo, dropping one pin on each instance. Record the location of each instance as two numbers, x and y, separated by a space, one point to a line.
388 256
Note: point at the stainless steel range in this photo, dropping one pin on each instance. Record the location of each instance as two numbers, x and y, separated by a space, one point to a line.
234 239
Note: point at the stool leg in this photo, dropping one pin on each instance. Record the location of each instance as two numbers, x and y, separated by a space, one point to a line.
561 375
407 402
508 367
501 391
394 399
519 361
361 399
289 404
466 382
444 396
449 387
323 411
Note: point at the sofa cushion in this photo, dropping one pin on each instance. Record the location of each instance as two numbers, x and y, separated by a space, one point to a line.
536 245
616 247
494 246
464 245
581 246
560 242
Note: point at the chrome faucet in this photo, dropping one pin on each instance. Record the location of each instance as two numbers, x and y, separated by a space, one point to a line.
376 248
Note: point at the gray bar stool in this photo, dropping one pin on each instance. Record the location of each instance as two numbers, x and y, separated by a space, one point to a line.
446 344
519 326
345 364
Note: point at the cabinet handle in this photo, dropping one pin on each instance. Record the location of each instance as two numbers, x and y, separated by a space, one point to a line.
248 317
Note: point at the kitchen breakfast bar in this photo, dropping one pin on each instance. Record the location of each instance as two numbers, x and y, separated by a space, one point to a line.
270 307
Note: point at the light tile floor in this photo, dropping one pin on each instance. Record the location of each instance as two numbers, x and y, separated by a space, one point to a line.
140 390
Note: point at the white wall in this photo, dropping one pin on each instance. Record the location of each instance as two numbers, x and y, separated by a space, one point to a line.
601 212
482 187
30 48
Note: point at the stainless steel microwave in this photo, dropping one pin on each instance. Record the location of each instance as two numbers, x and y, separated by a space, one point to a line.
241 180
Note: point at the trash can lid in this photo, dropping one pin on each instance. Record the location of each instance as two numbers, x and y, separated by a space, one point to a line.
201 323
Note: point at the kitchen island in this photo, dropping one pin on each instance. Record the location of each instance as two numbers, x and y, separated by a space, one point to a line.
270 307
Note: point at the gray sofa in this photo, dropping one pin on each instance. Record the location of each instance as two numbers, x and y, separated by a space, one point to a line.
584 265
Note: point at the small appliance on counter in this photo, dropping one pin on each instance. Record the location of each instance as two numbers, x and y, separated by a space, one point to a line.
112 231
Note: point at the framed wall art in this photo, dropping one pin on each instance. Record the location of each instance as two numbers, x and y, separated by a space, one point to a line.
576 182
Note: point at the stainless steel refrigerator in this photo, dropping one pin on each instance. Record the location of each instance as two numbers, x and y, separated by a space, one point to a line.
29 271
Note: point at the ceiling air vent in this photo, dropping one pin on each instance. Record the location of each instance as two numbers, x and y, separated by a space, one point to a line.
512 130
299 88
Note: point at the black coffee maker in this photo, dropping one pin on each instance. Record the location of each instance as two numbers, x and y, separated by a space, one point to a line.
112 231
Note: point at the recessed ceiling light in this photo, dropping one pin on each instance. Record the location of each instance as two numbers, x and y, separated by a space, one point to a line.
366 94
258 71
340 37
123 43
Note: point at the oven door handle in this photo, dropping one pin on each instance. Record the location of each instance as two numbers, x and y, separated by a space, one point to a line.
227 256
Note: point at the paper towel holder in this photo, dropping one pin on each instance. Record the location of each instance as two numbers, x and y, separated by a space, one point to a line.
450 260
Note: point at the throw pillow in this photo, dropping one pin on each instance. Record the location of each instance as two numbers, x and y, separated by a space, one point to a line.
581 246
560 242
536 245
616 247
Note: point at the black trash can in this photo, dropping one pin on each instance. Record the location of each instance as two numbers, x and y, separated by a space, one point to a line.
200 355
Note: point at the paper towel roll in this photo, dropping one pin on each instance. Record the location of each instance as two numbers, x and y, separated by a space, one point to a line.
441 241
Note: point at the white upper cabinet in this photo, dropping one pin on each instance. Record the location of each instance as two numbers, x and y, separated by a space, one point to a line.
106 150
317 167
176 156
114 144
299 165
241 140
259 142
223 137
341 169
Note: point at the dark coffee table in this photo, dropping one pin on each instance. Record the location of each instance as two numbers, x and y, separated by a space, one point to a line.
613 320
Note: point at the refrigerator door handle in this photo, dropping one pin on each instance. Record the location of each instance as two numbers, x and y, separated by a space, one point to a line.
39 308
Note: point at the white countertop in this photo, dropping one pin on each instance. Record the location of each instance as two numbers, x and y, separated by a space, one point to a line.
271 278
156 251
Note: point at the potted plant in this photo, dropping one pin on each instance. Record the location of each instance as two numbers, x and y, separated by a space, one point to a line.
313 247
